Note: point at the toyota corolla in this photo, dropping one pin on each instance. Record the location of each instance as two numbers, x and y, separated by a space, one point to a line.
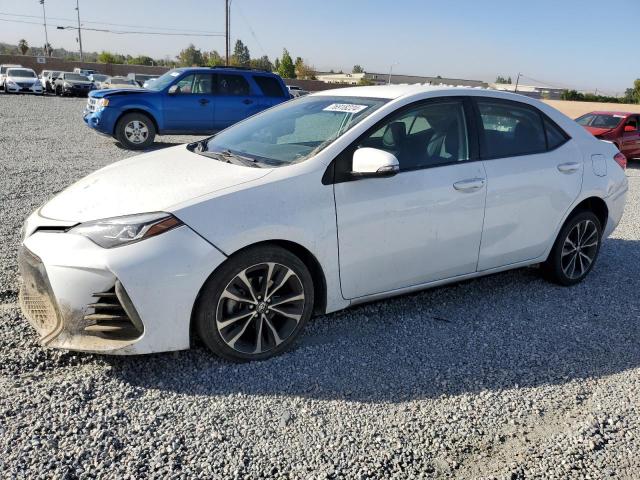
327 201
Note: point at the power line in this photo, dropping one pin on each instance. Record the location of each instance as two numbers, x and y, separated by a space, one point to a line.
121 32
157 29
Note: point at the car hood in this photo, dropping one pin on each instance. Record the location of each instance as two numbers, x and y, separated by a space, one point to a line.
150 182
112 92
22 79
77 82
595 131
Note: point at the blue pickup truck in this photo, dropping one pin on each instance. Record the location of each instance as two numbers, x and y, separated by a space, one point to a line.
194 101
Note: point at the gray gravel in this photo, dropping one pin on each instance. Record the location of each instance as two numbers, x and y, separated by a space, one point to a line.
502 377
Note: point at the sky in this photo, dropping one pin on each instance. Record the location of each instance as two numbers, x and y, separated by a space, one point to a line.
579 44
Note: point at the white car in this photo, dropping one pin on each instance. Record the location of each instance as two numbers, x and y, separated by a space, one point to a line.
97 79
3 72
22 80
327 201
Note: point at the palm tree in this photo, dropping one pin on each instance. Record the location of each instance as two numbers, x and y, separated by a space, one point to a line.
23 46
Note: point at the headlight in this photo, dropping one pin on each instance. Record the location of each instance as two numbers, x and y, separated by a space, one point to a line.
11 83
117 231
103 102
66 84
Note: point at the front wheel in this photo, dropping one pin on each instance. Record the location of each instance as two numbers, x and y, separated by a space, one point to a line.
135 131
575 250
255 305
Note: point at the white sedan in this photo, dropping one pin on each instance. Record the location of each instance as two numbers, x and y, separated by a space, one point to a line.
327 201
22 80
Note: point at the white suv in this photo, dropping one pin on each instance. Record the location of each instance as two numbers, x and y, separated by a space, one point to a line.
22 80
331 200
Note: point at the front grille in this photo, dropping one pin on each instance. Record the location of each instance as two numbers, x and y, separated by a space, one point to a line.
110 318
36 299
25 85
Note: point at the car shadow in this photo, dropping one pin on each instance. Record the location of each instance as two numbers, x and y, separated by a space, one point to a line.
504 331
155 146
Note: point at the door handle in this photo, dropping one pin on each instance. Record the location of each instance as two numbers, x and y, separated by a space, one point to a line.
203 101
470 185
570 167
246 101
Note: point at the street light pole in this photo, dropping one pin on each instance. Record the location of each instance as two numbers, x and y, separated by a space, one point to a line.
46 35
79 32
390 70
226 29
517 82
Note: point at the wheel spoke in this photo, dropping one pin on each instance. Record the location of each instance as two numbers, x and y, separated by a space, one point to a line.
276 337
293 298
281 284
225 323
267 279
243 277
232 296
233 341
587 258
259 336
285 314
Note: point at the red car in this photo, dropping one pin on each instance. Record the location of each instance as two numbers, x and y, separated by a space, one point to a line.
621 128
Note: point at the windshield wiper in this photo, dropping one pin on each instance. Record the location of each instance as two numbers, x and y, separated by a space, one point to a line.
249 162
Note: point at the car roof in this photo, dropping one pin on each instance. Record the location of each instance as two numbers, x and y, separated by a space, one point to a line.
610 112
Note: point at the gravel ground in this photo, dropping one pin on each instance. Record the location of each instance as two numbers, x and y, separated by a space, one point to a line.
502 377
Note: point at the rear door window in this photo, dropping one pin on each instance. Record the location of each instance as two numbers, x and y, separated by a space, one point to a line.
510 129
270 86
236 85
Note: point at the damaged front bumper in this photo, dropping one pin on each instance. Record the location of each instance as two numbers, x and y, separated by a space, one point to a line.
128 300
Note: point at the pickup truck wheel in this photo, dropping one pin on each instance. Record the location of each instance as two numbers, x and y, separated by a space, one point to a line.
135 131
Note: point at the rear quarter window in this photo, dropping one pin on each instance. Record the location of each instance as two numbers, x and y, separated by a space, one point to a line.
270 86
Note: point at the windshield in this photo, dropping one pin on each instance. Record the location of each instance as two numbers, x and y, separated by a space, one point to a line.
21 72
295 130
99 78
600 121
75 77
164 80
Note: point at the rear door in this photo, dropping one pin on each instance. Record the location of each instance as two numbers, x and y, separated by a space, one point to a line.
631 140
534 174
235 100
273 91
190 108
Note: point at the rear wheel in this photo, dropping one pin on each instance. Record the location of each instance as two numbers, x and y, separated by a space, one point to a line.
575 250
135 131
256 304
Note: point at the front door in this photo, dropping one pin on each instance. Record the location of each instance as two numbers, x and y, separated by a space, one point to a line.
190 106
631 140
423 224
534 174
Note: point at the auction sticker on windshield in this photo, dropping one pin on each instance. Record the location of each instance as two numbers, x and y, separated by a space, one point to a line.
345 108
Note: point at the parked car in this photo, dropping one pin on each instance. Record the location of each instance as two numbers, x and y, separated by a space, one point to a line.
140 78
236 237
22 80
73 84
84 71
98 79
3 71
183 101
149 82
43 77
48 81
620 128
119 82
296 91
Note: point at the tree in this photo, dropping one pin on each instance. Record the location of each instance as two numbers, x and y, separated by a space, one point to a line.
502 79
240 55
23 46
262 63
304 71
212 58
106 57
190 56
357 69
276 65
365 82
286 68
141 60
632 95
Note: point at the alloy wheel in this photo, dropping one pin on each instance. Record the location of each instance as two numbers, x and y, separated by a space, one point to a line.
260 308
136 132
579 249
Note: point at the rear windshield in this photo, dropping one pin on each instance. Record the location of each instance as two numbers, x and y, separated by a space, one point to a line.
600 120
122 81
21 72
76 77
99 78
270 86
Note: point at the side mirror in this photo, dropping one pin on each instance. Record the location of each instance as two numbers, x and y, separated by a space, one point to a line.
371 162
173 89
629 129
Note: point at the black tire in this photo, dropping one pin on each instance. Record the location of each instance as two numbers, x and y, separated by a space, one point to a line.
557 267
214 307
145 121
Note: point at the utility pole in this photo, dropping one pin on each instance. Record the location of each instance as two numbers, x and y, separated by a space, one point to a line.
227 16
46 35
79 32
517 82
